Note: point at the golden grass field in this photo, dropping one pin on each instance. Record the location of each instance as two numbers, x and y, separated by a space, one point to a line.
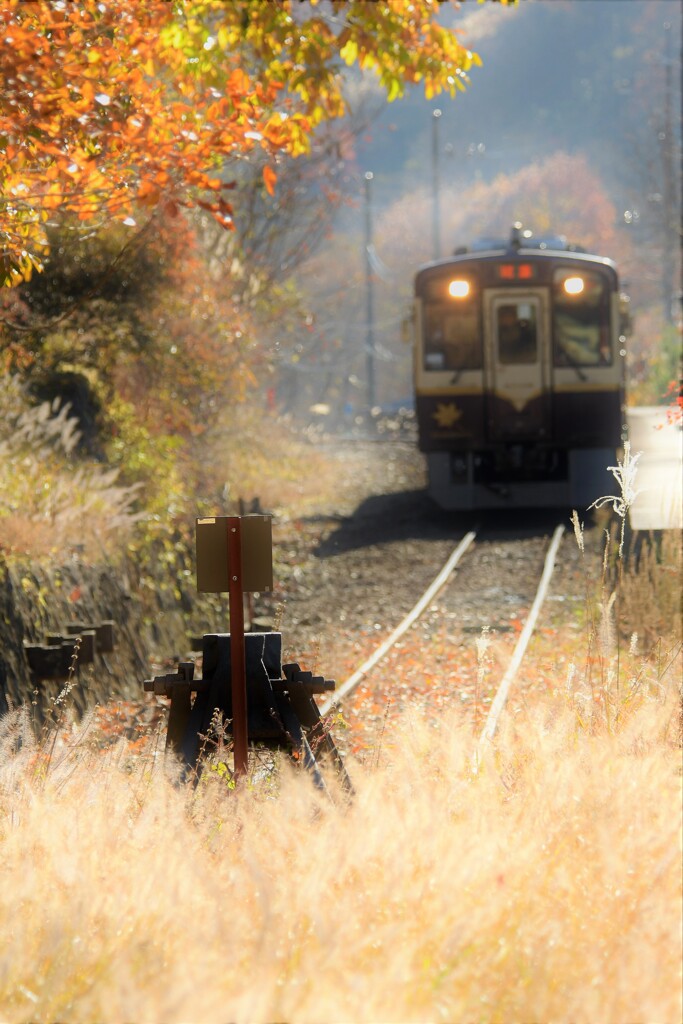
535 880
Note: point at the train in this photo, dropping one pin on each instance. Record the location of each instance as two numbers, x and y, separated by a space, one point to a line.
519 373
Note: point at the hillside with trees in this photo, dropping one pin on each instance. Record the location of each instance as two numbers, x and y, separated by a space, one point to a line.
160 173
579 100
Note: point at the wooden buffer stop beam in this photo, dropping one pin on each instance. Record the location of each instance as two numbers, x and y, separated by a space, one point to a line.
72 648
259 700
281 710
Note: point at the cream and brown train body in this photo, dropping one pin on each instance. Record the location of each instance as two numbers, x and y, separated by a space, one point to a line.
519 375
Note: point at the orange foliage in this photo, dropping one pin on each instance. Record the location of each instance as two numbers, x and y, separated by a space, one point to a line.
561 194
197 339
110 105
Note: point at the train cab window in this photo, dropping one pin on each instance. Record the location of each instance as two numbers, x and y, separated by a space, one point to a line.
452 336
581 318
517 332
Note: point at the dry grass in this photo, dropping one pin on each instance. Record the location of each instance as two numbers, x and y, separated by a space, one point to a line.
650 593
50 503
289 471
536 880
541 883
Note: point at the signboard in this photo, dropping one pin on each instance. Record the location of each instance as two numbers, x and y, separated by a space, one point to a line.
213 562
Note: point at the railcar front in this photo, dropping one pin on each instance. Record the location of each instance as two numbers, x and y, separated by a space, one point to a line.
519 371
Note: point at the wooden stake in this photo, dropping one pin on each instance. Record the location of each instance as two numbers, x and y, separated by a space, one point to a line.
240 736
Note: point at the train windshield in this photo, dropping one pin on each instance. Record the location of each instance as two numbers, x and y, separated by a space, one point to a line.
517 332
452 333
581 317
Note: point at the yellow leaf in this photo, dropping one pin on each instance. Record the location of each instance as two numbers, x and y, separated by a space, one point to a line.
394 90
349 52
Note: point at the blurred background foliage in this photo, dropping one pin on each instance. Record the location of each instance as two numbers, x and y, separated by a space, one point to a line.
178 346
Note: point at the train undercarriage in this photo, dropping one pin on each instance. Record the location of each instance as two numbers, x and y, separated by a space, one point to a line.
518 476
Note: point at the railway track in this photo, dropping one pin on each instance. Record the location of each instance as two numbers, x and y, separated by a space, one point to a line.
442 581
282 712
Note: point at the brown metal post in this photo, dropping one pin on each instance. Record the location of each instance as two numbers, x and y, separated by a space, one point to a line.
239 682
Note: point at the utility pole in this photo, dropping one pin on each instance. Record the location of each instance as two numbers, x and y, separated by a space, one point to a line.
669 204
680 177
370 311
436 218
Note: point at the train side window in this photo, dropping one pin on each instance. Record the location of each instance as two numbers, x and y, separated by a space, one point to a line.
517 333
581 318
452 337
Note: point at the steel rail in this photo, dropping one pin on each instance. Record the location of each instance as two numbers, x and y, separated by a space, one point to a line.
430 593
499 700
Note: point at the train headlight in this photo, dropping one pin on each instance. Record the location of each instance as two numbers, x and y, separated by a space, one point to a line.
574 285
459 289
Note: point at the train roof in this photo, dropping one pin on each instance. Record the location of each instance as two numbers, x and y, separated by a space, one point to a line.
526 240
521 244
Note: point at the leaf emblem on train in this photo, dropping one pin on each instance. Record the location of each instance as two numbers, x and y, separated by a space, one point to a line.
446 414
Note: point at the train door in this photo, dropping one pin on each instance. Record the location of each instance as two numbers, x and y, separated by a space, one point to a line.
517 331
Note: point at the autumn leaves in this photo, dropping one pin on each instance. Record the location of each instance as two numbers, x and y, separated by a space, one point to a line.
111 107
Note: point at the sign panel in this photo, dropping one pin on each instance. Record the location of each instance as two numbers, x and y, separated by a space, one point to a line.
257 553
213 569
